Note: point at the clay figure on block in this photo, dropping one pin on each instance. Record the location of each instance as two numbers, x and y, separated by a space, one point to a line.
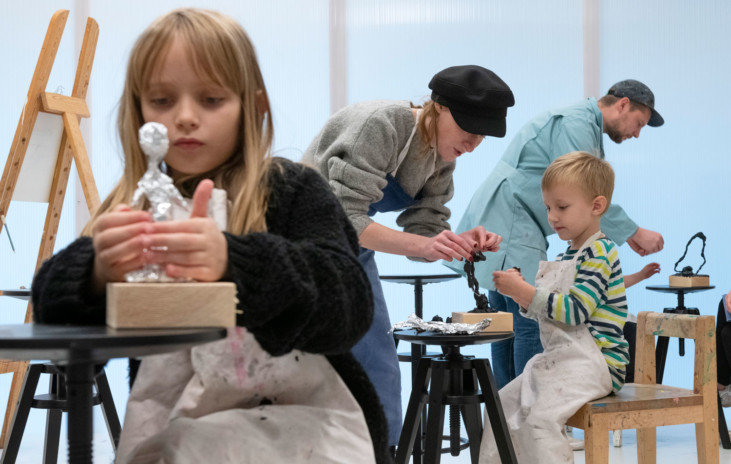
160 192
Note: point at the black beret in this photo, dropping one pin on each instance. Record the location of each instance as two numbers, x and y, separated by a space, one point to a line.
477 98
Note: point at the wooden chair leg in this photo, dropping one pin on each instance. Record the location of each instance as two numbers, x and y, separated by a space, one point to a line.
596 443
647 445
706 442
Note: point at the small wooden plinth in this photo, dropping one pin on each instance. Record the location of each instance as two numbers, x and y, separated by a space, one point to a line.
500 321
700 280
182 304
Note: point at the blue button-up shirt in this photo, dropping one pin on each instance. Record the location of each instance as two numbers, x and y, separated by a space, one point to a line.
509 202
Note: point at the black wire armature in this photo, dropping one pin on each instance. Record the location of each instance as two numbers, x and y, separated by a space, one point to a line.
687 270
480 298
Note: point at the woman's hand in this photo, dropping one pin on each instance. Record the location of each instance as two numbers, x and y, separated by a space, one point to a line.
482 239
194 248
120 239
447 246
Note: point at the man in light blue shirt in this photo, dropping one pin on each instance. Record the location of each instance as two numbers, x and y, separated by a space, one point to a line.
509 201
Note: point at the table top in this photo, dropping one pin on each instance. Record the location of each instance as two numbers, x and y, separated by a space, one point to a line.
21 294
669 289
435 338
424 279
95 343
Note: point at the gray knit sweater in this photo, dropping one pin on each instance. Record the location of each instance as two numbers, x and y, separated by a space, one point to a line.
359 146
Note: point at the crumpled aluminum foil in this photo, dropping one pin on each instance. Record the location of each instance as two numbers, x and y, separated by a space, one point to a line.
160 191
415 322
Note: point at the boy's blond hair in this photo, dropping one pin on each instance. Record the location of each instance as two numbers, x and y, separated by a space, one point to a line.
591 174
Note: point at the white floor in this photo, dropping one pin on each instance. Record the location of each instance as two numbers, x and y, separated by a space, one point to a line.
676 444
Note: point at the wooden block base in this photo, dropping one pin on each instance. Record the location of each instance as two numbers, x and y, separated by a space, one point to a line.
181 304
501 321
693 281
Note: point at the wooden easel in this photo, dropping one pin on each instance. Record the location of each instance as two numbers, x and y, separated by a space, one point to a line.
71 109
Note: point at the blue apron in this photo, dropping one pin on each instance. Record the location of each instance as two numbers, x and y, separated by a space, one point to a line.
376 351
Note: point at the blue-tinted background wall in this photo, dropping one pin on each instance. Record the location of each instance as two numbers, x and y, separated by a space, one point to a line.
672 179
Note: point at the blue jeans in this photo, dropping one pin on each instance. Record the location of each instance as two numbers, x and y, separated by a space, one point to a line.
376 352
509 357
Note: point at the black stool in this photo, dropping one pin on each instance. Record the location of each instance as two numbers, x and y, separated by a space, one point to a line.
417 351
455 380
56 402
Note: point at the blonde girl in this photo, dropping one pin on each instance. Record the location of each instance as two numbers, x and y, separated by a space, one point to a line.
283 387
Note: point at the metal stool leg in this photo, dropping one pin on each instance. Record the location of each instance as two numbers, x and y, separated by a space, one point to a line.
53 436
57 388
435 417
32 374
417 402
473 425
495 411
107 404
722 427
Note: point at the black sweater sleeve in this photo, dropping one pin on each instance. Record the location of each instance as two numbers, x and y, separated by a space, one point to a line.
300 284
61 290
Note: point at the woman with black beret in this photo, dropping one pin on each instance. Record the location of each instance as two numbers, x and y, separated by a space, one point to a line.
381 156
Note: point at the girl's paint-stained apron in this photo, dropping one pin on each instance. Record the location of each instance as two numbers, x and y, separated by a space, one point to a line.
555 384
229 401
376 351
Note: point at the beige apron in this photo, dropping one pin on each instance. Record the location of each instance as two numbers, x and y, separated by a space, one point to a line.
231 402
555 384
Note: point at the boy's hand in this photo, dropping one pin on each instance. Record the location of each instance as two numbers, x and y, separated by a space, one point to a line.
121 240
649 270
512 284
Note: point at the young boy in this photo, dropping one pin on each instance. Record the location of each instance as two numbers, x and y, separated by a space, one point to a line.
579 302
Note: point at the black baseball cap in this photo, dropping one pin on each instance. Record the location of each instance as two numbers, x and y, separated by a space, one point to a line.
477 98
638 92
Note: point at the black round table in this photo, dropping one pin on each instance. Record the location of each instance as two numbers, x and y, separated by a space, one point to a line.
78 349
462 382
21 294
418 281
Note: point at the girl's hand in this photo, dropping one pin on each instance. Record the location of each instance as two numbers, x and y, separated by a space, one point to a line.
120 240
194 248
649 270
482 239
447 246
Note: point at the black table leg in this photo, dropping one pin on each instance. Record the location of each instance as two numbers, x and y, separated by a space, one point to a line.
110 412
17 426
495 411
435 420
661 353
416 405
79 382
722 427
